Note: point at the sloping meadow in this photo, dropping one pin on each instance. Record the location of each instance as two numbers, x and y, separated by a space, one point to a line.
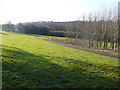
32 63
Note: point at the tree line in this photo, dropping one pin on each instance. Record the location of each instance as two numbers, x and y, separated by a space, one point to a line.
96 31
40 28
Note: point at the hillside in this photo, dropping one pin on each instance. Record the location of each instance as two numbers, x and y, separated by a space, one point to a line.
32 63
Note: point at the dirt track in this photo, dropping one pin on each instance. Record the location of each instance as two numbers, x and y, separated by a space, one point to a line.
99 53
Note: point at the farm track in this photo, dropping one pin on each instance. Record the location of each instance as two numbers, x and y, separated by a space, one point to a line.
99 53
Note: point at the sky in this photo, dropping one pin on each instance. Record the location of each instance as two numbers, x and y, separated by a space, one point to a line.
49 10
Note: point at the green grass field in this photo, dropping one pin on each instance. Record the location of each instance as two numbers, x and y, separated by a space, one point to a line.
31 63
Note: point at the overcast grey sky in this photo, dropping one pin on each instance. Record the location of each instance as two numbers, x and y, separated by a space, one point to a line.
49 10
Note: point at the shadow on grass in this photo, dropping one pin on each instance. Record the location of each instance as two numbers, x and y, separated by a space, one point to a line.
3 34
22 69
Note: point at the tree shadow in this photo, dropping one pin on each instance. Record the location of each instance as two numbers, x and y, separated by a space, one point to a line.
22 69
3 34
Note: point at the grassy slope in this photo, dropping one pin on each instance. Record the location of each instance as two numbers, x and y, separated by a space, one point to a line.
29 62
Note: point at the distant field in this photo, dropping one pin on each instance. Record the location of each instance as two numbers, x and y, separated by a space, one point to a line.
32 63
50 37
62 38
